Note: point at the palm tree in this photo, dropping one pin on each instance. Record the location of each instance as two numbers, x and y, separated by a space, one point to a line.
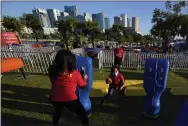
66 29
12 24
107 33
91 30
31 22
119 30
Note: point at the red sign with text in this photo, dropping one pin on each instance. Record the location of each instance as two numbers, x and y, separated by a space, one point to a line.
9 38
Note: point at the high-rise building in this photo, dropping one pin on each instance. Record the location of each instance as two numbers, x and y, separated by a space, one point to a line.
107 23
101 20
71 10
87 16
63 16
83 18
117 20
95 17
135 23
53 16
124 20
128 22
42 16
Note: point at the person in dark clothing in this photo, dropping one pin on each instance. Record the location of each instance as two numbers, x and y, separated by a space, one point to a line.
118 54
64 79
116 82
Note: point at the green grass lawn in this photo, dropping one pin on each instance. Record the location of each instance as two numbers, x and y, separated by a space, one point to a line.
25 102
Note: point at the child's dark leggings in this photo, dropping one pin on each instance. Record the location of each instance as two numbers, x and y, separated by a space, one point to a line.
74 106
109 90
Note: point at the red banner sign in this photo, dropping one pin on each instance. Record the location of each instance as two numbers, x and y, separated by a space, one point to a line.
9 38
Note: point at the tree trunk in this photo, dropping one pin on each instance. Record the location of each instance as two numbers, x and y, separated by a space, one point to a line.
107 37
36 38
93 37
35 34
93 43
66 42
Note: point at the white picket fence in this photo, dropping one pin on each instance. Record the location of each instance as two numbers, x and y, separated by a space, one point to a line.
137 60
38 60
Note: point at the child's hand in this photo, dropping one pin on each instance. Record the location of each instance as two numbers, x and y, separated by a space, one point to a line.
85 76
121 88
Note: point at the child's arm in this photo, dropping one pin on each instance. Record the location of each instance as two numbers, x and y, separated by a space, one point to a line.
123 81
81 81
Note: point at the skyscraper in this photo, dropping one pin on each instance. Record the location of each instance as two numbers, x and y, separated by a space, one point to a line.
87 16
71 10
63 16
117 20
135 23
95 17
128 22
83 18
53 16
101 20
107 23
124 20
42 16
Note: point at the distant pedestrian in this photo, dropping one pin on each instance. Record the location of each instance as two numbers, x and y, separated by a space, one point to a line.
118 54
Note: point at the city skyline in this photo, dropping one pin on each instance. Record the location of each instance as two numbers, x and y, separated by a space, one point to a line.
143 10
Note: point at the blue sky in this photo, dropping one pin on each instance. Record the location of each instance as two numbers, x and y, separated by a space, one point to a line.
143 10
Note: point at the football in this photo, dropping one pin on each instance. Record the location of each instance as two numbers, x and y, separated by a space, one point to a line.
108 80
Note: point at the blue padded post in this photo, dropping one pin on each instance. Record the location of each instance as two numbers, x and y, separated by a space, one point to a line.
155 78
182 119
85 66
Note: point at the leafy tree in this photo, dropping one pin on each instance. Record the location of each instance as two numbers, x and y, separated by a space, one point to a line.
184 27
166 23
67 30
125 33
31 22
107 33
12 24
25 36
46 36
118 30
55 35
91 30
137 37
129 38
102 36
149 38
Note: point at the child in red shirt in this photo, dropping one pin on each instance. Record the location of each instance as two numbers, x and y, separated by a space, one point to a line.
64 79
117 83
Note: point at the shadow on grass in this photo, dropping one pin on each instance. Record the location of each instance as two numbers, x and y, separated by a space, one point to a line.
182 74
19 74
16 120
127 112
130 111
